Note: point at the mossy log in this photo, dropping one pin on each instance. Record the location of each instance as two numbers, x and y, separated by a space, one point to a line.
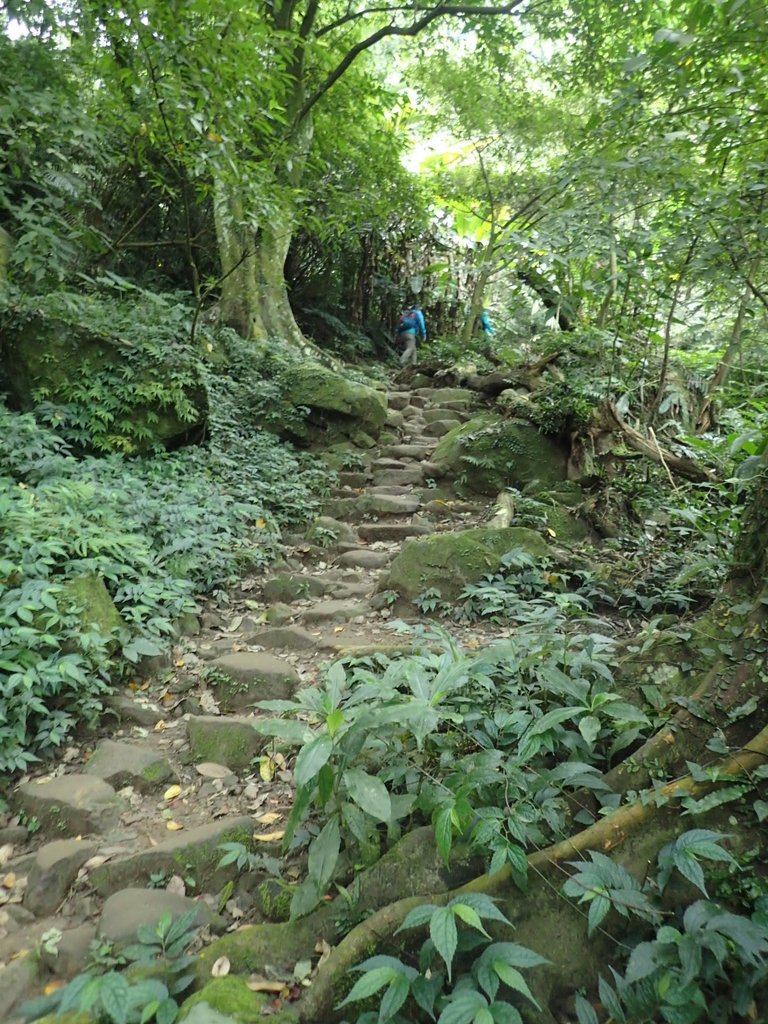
542 919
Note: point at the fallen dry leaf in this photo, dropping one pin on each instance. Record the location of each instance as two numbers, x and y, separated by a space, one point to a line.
268 818
270 837
172 792
174 826
96 862
324 949
9 881
338 629
266 769
221 967
54 986
258 984
6 852
160 726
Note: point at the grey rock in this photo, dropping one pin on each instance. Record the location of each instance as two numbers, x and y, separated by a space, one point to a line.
196 848
77 804
203 1013
365 559
126 911
278 614
55 869
393 531
17 980
402 477
409 451
71 953
441 414
347 479
287 638
292 587
390 489
398 399
13 834
438 428
253 676
129 764
17 915
389 504
394 418
324 526
334 611
387 463
128 709
229 740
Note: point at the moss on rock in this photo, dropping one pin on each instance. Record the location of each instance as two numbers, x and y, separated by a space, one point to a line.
448 561
232 998
90 597
488 454
336 404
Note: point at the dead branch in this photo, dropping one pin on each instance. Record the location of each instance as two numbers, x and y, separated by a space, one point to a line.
675 463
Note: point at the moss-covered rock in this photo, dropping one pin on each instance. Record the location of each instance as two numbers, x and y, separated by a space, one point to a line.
90 598
448 561
232 998
70 351
488 454
281 946
337 405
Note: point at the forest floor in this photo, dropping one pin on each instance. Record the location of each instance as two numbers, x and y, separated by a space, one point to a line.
178 769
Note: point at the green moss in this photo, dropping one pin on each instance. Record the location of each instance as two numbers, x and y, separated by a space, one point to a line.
275 898
447 561
349 407
156 772
91 597
232 997
488 454
254 947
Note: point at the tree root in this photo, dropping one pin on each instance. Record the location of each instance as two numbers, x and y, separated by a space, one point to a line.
608 834
672 463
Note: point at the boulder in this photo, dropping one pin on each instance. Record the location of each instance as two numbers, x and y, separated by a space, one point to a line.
334 611
447 561
336 404
126 911
55 869
77 804
89 598
129 764
327 532
285 638
230 1001
245 677
288 588
69 339
488 454
365 559
230 740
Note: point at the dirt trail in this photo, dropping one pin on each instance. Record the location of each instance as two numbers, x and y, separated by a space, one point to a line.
175 774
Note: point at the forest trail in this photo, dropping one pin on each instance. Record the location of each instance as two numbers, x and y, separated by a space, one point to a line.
129 826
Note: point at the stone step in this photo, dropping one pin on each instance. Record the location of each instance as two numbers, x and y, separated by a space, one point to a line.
353 479
400 477
409 451
393 531
365 559
431 415
386 463
419 401
389 489
438 396
389 504
335 611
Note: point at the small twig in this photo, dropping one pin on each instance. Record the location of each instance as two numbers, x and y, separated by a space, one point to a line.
661 457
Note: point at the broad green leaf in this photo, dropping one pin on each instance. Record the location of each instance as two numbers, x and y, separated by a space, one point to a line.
324 853
443 932
585 1011
417 917
115 996
589 727
462 1007
369 793
370 983
393 998
311 759
444 832
468 916
514 979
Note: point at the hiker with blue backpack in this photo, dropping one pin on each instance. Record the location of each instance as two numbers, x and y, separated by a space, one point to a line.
410 327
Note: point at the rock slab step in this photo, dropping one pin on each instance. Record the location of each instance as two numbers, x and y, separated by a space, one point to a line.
230 740
77 804
247 676
55 869
126 911
129 764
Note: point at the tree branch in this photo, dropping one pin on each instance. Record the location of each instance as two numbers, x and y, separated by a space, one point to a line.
398 30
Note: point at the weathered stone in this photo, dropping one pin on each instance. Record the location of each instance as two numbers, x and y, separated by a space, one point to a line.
195 851
286 638
402 477
387 463
432 470
394 418
338 405
334 611
327 531
13 834
388 504
250 676
77 804
409 451
489 454
448 561
398 399
390 489
438 428
129 764
434 415
89 597
132 709
55 869
229 740
373 532
349 591
127 910
354 480
439 396
291 588
365 559
71 952
341 508
17 980
279 614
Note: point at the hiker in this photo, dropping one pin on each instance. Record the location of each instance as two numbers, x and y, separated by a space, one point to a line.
485 323
410 326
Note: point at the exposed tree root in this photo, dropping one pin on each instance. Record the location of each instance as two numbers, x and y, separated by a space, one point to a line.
672 463
540 915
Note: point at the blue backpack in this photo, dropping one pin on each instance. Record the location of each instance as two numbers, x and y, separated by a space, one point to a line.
407 322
